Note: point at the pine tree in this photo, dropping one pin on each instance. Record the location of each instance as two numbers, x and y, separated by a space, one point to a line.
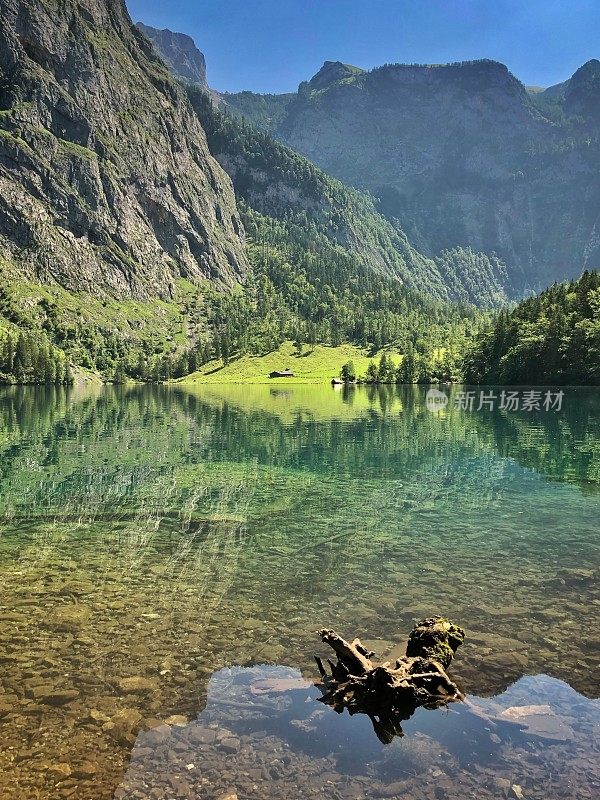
348 372
372 375
22 359
225 348
8 355
68 377
119 375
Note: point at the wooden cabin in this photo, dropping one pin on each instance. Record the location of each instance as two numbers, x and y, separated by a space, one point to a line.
286 373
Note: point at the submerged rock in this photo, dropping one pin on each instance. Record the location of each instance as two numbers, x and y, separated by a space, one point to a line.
201 736
539 721
52 695
176 721
136 684
68 619
61 770
123 725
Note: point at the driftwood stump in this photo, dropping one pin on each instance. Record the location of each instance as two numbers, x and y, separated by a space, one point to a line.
391 692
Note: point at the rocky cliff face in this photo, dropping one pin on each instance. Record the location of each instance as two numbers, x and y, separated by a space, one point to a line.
106 181
179 52
582 93
464 157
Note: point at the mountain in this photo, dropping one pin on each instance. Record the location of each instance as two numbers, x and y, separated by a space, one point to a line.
326 267
107 182
463 155
575 99
277 182
179 53
124 248
582 93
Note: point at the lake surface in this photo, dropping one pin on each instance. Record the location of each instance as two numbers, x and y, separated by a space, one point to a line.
166 556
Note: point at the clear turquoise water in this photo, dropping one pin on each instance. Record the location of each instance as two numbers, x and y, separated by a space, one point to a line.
184 538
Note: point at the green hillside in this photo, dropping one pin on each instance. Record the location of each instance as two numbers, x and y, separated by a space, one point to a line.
550 339
312 365
280 184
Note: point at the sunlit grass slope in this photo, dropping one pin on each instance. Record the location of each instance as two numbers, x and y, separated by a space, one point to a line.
312 366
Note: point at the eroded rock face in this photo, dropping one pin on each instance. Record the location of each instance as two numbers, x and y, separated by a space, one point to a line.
106 180
179 53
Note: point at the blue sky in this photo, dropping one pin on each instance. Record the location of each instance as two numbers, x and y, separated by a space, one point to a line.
272 45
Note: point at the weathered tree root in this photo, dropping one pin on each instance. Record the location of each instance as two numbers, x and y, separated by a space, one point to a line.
389 693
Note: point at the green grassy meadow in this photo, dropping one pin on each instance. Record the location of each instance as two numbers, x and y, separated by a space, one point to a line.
314 365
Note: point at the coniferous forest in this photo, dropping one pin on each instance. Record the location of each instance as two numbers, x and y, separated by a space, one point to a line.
553 338
27 357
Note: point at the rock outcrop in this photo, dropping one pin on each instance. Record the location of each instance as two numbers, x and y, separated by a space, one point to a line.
179 52
106 181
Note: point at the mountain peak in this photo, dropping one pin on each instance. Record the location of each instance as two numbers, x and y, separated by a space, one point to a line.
582 93
333 72
592 64
589 73
179 52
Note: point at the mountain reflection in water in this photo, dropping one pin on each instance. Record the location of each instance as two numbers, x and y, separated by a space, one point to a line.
263 734
151 536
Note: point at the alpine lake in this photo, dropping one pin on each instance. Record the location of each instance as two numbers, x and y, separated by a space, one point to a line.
168 553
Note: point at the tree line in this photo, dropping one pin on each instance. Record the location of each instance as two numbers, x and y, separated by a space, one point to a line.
438 367
553 338
28 357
